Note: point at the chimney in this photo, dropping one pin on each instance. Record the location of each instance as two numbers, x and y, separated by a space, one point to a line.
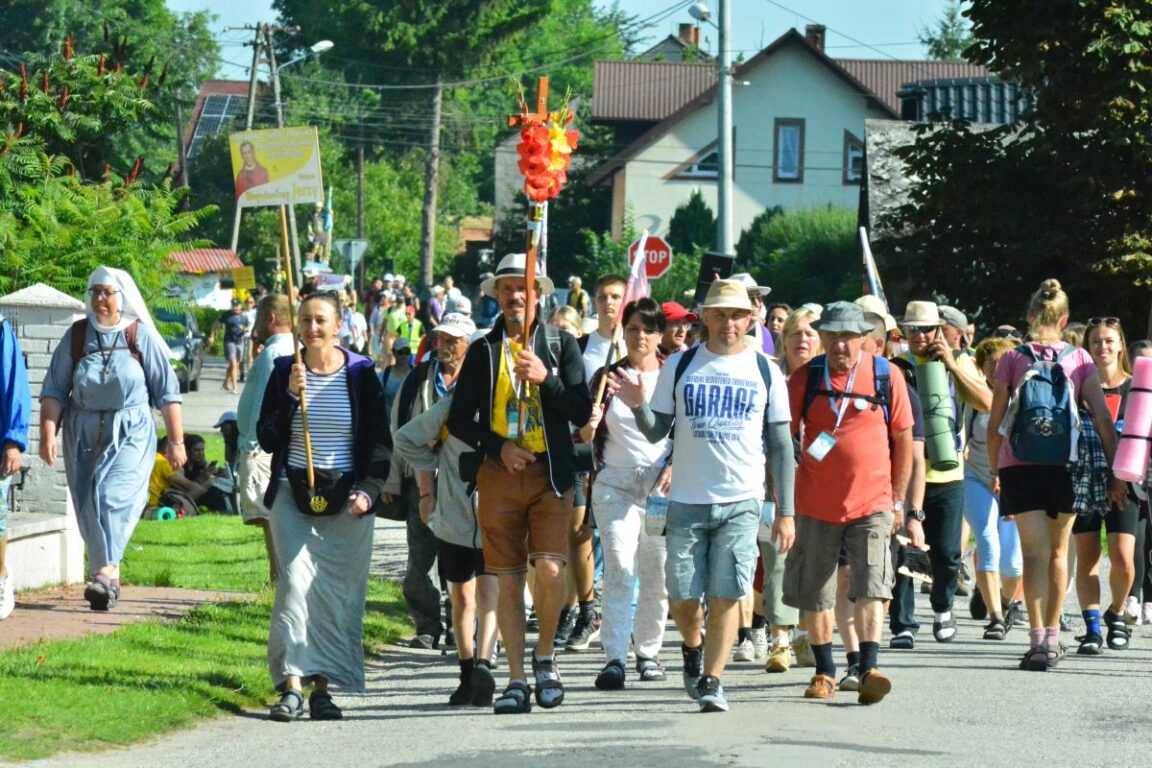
814 33
690 35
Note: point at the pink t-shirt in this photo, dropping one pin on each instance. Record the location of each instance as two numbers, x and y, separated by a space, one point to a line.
1078 367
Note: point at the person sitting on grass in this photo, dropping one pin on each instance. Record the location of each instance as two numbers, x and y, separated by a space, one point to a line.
181 491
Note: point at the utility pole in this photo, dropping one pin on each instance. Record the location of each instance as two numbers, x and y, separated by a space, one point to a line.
431 171
257 44
181 148
724 139
293 234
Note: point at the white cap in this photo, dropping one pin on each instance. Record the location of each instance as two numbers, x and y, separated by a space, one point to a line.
456 324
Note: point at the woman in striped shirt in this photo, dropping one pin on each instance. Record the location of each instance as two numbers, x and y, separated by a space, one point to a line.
322 554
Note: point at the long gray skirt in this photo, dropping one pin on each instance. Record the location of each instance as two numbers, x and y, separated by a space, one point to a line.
317 625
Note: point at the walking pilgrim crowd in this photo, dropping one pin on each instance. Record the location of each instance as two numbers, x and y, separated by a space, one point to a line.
778 481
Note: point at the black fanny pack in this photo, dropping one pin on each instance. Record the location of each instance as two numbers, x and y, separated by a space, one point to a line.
329 497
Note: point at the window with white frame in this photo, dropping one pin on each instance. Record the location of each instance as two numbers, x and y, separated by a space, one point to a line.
853 159
789 150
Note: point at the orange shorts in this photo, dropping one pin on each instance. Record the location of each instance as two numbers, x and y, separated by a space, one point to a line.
521 517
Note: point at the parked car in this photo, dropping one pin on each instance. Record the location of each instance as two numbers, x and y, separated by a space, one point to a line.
184 338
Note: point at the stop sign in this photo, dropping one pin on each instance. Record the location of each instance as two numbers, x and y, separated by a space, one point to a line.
657 255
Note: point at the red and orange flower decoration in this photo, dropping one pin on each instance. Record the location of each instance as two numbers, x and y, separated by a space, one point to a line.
545 151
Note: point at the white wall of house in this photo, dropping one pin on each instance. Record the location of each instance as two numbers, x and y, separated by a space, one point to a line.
205 291
791 83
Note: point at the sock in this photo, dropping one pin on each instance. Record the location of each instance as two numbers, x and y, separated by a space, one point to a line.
1092 621
758 621
744 633
1052 637
868 653
824 663
943 616
1036 637
466 667
587 607
853 658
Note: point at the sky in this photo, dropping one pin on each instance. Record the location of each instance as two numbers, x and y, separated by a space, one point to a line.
865 29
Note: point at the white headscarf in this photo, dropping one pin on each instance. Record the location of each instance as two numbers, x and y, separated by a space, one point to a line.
132 306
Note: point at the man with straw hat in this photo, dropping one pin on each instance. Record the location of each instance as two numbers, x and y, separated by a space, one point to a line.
849 494
520 387
726 401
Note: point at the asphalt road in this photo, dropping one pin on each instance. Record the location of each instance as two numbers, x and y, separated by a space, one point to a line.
202 408
958 704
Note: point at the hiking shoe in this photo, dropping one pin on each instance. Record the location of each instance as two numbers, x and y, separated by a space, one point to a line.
944 631
483 684
851 679
745 651
7 597
425 642
779 659
903 641
693 668
321 707
820 687
1146 613
1132 610
874 686
1013 615
290 707
584 633
976 606
650 670
802 647
1065 622
565 625
611 678
1119 633
710 695
102 594
995 630
1091 644
760 643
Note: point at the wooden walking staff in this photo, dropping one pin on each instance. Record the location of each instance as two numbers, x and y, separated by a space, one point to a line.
318 503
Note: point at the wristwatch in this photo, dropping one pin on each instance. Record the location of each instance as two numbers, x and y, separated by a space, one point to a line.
915 514
898 506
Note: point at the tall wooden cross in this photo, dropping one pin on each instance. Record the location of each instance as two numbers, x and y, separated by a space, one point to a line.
541 112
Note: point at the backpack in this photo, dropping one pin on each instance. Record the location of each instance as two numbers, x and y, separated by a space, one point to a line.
881 374
80 333
1044 422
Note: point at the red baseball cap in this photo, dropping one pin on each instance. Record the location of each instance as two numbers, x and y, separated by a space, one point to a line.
674 313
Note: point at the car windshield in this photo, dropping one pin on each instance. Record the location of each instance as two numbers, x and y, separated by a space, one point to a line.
172 325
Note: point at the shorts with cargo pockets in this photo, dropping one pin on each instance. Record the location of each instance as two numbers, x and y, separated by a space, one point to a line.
810 575
711 549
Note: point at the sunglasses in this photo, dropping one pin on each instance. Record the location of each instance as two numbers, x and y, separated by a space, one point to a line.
1111 322
921 328
1006 333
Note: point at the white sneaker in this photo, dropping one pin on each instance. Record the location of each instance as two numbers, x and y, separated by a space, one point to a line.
745 651
7 597
1146 613
760 644
1132 610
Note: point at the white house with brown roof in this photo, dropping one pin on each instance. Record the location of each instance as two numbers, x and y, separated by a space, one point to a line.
798 120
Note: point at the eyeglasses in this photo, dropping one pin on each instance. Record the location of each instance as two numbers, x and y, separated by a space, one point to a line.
1006 333
921 328
102 293
1111 322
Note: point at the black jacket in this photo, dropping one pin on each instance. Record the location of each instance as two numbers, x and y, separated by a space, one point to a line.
371 445
564 399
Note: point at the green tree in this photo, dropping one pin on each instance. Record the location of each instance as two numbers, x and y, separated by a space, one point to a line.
692 225
807 255
951 34
753 235
1066 194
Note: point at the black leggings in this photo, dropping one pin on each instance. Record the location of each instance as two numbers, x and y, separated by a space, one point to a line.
1142 584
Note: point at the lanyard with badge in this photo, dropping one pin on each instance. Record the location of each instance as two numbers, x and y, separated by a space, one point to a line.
512 407
826 441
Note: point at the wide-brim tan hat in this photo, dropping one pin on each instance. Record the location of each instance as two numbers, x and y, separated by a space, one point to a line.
513 265
727 294
921 313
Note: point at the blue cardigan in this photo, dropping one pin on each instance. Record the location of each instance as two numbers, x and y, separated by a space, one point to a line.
15 396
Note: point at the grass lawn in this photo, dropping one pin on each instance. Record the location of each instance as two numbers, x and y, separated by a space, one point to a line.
150 678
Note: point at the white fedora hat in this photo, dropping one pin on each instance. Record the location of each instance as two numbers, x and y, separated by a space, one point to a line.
512 265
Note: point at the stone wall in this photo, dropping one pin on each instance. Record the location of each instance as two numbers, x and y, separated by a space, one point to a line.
44 544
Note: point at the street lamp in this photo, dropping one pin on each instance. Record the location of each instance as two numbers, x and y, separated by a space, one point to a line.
701 12
315 49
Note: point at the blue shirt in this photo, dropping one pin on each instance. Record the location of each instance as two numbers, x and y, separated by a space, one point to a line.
248 411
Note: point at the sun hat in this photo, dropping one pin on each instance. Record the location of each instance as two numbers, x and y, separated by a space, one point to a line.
727 294
749 283
953 317
843 317
456 324
224 418
401 343
877 306
513 265
921 313
674 313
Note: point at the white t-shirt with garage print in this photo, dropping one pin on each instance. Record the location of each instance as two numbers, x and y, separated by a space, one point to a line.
718 437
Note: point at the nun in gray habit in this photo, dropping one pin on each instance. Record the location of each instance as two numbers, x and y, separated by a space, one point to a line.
100 390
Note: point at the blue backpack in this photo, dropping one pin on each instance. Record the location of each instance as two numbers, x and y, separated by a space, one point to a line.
1044 411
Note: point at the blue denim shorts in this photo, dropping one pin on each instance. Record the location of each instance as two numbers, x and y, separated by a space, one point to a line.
711 549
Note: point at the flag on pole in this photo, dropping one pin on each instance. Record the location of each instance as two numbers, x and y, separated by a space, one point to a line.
872 274
637 287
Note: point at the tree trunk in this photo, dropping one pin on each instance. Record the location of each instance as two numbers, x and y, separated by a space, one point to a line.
431 172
